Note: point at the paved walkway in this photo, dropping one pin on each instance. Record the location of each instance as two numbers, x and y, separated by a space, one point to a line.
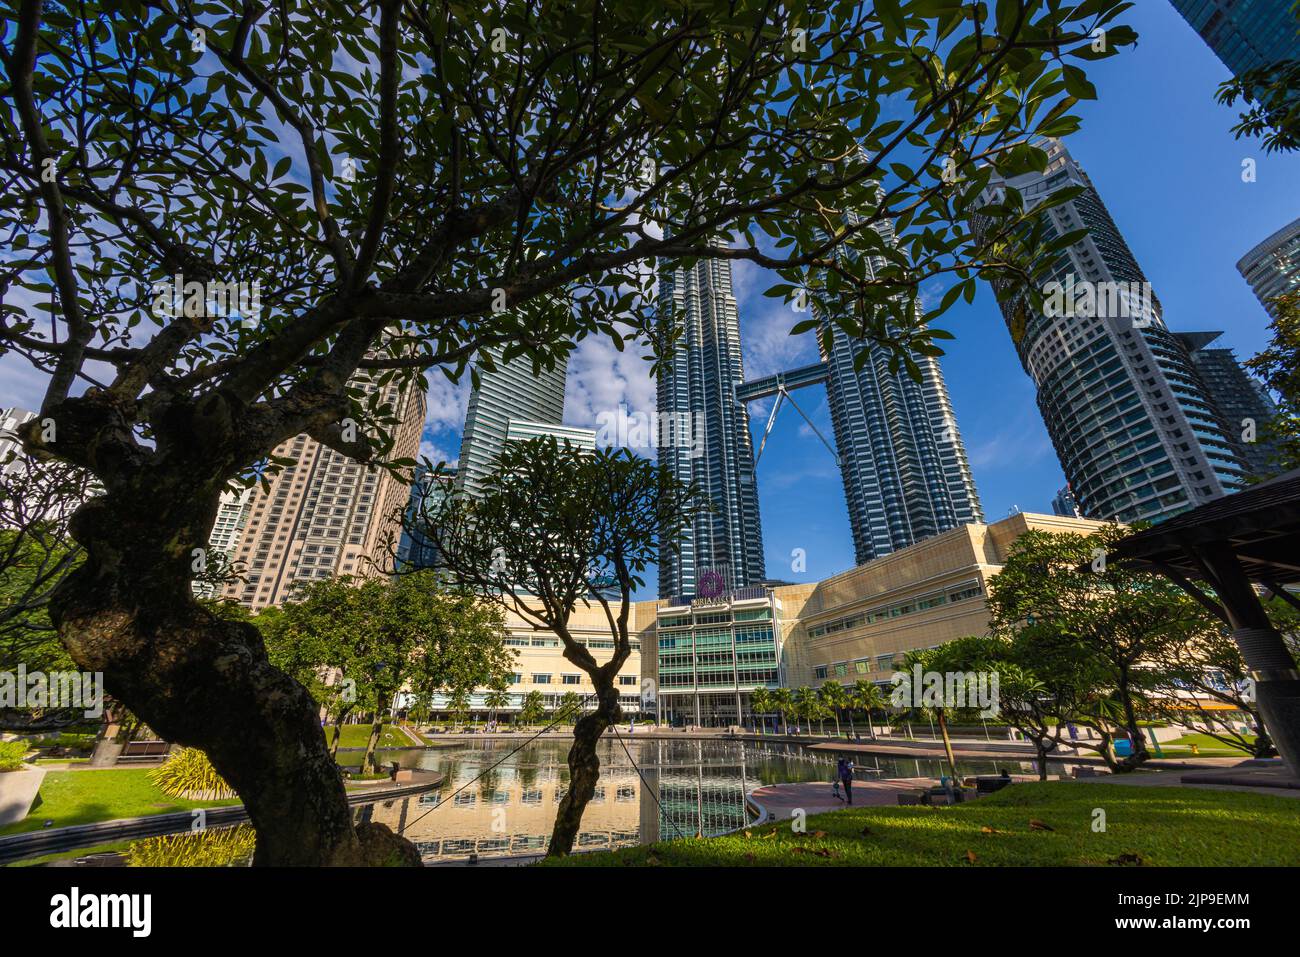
985 754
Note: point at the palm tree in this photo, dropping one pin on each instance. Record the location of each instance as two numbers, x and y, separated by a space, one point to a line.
760 703
494 700
807 705
868 696
458 705
783 704
533 710
835 696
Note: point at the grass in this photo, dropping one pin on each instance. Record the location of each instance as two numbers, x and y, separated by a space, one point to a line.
84 797
356 736
1150 826
1207 746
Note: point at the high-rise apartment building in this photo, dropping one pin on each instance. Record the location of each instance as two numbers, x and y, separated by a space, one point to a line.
1128 414
510 391
1242 400
10 444
1063 504
1245 34
326 514
1273 267
904 466
721 549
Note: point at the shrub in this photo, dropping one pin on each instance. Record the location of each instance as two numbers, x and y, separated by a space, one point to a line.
189 774
11 754
224 847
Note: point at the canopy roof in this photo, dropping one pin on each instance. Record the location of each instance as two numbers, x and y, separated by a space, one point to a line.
1260 525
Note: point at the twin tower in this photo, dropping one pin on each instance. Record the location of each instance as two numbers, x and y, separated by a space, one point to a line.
905 472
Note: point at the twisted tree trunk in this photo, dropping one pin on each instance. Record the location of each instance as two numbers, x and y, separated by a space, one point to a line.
584 766
205 682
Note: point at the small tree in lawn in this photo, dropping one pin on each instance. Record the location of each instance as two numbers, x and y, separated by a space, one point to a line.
1061 586
550 529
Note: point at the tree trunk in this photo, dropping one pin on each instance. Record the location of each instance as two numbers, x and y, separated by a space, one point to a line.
369 765
947 744
1040 746
202 681
584 767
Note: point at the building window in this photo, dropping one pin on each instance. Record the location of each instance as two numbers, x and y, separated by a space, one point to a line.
541 679
627 679
571 679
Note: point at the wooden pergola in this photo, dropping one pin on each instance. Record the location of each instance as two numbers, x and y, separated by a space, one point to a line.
1232 544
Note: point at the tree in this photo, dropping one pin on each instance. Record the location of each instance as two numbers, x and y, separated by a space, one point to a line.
1060 586
570 707
760 703
1279 367
495 700
868 696
834 696
533 709
458 705
552 528
934 660
230 224
783 702
808 706
1273 92
360 642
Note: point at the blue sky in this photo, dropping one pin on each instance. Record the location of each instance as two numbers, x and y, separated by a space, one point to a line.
1159 150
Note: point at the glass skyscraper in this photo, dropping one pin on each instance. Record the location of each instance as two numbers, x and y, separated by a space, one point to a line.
1245 34
1241 399
1137 434
1273 267
723 548
510 391
904 466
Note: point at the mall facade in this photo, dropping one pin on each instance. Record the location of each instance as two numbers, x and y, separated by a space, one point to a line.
714 653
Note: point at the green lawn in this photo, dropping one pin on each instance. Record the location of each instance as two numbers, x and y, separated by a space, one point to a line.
356 736
1206 745
1153 826
84 797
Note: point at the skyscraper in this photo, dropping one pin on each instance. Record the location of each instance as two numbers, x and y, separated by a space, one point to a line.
1242 400
11 447
1244 34
1136 433
904 466
510 391
1273 267
326 514
722 548
1063 504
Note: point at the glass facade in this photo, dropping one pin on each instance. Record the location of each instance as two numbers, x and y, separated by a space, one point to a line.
1134 427
902 460
1244 34
697 385
1273 267
713 654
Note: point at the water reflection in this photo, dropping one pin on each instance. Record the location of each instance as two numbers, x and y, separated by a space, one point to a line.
683 788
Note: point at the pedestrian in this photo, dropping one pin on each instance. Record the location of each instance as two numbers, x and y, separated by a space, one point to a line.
846 775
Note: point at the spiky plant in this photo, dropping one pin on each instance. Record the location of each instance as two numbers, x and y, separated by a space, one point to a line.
189 774
223 847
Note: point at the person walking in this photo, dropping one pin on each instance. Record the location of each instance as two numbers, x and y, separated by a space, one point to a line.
846 776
